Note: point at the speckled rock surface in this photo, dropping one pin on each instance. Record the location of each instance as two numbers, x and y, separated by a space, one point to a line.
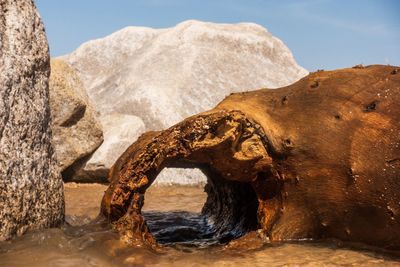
164 75
76 131
31 189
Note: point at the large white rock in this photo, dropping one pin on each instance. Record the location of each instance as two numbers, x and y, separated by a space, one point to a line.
164 75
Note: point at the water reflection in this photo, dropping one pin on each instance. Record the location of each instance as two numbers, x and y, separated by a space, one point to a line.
181 228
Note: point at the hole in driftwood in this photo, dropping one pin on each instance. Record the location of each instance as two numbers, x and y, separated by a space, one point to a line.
229 211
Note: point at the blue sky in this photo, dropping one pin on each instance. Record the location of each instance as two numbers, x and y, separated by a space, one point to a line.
322 34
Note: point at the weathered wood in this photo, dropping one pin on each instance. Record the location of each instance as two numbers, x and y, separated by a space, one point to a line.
322 157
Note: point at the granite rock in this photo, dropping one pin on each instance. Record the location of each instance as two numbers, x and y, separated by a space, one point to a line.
31 188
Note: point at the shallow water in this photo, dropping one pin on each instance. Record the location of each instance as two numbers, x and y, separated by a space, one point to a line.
173 215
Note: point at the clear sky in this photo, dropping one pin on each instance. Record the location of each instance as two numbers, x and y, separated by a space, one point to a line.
322 34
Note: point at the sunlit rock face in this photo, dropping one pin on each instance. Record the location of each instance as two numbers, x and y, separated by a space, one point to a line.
161 76
31 190
76 131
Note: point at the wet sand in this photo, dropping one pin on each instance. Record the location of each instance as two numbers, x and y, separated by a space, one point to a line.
166 209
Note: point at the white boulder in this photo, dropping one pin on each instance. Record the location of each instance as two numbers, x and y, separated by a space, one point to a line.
161 76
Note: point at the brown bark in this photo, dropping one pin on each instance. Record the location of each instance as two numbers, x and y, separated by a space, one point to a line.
321 158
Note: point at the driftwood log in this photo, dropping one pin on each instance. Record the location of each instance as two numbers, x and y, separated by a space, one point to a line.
316 159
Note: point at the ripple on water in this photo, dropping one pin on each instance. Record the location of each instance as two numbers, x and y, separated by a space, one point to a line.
185 231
